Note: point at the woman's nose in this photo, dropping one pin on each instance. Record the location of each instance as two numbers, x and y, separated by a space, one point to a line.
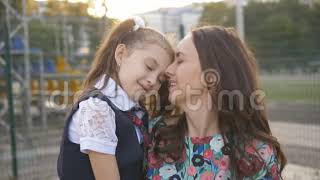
170 70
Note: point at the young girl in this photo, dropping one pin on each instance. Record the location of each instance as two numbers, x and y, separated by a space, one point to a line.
104 133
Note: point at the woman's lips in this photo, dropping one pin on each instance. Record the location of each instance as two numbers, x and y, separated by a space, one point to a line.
172 85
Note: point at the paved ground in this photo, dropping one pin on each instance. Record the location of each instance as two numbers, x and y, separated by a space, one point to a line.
298 172
298 128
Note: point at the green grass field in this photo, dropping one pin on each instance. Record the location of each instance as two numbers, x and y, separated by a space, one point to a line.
292 90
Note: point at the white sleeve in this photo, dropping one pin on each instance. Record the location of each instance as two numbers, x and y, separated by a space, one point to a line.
97 127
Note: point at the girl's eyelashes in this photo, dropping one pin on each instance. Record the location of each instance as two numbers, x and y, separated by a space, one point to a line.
149 68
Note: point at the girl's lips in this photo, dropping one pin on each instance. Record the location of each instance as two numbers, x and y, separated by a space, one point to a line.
144 87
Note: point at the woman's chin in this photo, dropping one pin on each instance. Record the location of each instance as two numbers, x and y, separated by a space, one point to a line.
172 100
175 99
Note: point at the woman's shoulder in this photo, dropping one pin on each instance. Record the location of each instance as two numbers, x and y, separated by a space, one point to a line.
161 121
263 149
264 155
156 122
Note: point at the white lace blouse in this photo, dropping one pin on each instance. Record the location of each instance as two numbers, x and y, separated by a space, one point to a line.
93 125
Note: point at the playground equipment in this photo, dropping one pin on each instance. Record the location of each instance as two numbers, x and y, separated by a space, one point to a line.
31 81
46 78
33 75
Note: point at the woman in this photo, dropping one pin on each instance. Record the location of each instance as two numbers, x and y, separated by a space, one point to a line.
223 132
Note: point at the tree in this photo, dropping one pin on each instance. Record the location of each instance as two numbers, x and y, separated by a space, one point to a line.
58 8
283 34
280 33
46 33
217 14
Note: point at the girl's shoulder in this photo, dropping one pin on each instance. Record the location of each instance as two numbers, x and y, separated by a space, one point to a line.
94 124
95 104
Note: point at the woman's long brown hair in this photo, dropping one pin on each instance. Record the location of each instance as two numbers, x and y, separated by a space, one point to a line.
221 49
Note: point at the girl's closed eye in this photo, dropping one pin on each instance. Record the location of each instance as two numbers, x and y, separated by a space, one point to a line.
149 68
150 64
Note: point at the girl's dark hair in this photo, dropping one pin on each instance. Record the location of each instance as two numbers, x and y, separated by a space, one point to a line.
123 33
221 49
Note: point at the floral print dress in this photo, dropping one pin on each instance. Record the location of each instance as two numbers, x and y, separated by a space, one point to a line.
205 161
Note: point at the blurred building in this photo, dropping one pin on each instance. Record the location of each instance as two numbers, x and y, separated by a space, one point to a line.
307 2
232 2
174 20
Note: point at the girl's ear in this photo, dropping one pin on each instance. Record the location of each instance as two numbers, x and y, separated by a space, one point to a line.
120 53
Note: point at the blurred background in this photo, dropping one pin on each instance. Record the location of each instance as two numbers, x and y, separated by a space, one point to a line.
49 46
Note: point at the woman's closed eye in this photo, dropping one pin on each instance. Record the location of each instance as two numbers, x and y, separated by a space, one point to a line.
178 57
179 60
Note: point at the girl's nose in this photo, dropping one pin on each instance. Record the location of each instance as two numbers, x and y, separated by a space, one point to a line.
152 80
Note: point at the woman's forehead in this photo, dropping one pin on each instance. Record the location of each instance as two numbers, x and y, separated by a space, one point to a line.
186 45
186 40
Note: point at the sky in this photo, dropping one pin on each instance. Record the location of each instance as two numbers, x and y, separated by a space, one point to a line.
122 9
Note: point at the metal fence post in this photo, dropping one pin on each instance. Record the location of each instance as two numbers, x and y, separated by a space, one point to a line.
10 96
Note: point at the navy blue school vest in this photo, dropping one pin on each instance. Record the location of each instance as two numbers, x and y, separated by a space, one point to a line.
75 165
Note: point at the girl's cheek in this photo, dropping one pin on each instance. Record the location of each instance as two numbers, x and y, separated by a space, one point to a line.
157 87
